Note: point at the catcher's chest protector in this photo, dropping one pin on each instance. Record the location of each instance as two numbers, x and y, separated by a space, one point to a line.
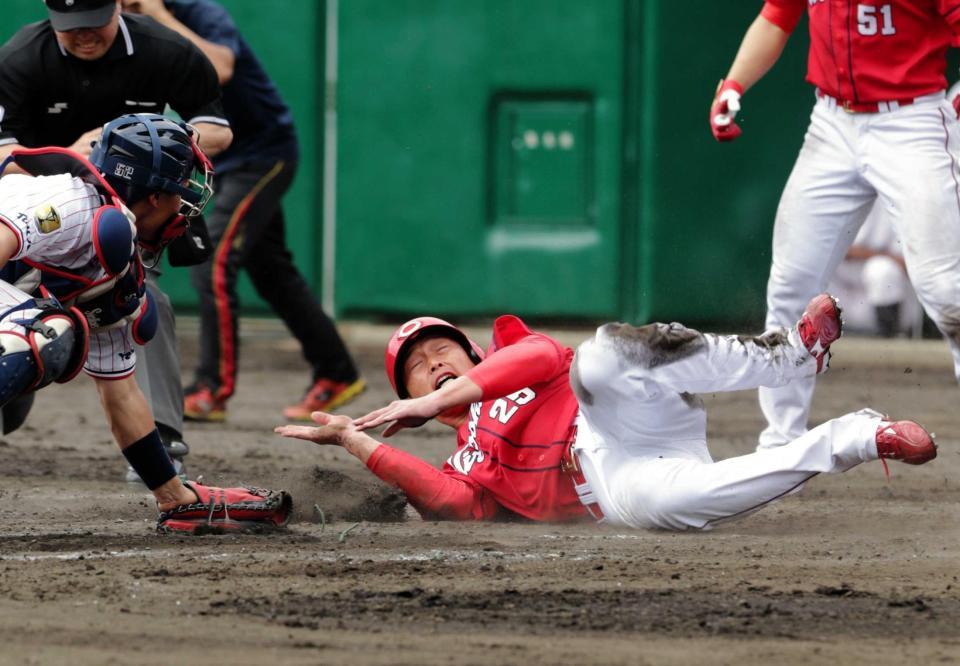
111 292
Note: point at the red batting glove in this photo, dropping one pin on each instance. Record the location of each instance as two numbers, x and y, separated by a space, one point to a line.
724 109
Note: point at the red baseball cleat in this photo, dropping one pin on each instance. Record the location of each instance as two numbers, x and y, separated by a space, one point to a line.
819 327
200 404
324 396
905 441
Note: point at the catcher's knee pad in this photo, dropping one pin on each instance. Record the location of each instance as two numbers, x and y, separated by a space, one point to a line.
49 344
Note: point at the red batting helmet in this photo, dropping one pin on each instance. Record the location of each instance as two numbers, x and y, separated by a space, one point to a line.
404 337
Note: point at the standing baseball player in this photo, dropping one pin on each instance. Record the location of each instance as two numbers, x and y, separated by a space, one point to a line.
881 131
72 291
63 78
247 225
615 432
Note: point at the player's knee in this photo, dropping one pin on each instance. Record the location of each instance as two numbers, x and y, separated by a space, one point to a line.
652 345
592 368
46 346
941 297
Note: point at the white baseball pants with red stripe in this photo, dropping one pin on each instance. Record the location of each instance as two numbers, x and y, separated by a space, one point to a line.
641 440
904 160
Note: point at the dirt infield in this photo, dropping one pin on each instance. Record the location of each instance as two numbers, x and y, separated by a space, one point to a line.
856 569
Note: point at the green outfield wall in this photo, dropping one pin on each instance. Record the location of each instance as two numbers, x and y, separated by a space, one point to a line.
545 157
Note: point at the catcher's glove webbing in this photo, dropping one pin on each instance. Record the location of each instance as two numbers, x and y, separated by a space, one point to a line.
228 510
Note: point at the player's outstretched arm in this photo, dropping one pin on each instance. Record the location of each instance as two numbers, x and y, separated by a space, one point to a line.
335 431
432 492
414 412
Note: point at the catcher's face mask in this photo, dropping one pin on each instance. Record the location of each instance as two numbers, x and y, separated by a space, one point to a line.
197 188
195 192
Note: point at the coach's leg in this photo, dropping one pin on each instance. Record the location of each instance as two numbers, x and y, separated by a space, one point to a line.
268 261
915 172
823 205
215 282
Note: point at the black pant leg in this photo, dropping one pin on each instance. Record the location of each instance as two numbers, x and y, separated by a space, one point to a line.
216 279
268 261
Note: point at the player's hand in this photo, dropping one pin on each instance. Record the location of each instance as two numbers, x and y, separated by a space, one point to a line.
724 109
84 145
331 429
411 413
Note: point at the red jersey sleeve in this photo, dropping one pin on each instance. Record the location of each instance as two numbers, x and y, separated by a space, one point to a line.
519 358
785 14
432 492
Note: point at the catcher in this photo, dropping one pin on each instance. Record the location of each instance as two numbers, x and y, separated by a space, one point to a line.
72 293
615 432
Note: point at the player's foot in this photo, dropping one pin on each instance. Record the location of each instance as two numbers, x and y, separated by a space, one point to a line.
819 327
200 404
905 441
325 395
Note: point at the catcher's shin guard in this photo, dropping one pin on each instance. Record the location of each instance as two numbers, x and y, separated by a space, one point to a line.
219 510
48 343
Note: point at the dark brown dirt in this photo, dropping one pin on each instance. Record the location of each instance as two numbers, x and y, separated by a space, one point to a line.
855 569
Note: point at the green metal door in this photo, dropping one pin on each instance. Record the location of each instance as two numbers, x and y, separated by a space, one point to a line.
478 162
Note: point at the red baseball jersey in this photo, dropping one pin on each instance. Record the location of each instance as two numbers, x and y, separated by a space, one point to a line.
509 451
873 50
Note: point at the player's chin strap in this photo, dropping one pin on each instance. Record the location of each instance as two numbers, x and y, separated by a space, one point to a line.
152 250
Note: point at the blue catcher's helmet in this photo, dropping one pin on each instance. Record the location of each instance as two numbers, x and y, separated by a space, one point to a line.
143 153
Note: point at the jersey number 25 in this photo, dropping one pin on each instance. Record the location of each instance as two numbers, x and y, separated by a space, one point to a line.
503 409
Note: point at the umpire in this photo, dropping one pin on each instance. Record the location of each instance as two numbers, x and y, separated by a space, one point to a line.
63 78
247 224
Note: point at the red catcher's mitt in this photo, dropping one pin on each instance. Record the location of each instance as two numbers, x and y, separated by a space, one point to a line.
220 510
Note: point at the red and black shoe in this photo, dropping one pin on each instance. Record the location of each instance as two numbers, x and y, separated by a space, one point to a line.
201 404
325 395
819 327
220 510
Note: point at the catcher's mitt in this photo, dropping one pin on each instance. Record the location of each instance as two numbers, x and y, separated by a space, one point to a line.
219 510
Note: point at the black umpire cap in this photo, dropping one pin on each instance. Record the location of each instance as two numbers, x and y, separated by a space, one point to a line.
73 14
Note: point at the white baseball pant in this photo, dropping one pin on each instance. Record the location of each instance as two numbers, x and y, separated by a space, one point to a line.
641 441
905 159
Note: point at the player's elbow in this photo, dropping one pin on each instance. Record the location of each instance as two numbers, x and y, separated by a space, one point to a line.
224 69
